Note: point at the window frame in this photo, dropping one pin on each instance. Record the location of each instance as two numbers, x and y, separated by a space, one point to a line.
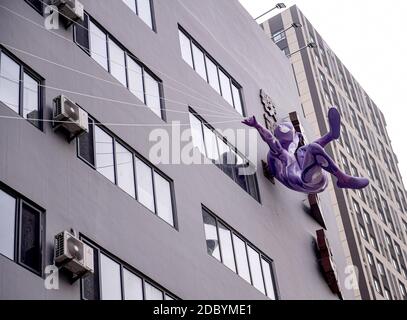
219 67
204 123
25 69
19 202
40 11
135 154
152 13
98 250
247 243
127 54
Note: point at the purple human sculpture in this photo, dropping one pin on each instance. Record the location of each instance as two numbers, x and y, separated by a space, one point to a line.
304 169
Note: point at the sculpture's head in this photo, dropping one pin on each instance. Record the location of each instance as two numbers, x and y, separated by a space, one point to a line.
285 133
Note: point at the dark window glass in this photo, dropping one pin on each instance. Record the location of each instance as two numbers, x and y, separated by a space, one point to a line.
30 238
82 33
90 284
36 4
86 146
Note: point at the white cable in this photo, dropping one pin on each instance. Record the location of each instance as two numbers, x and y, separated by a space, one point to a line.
221 107
107 99
116 124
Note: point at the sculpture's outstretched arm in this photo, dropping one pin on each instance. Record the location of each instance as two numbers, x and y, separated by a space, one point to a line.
266 135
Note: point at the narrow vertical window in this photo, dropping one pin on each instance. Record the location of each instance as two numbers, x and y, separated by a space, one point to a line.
145 12
31 100
131 4
90 284
225 238
144 181
213 77
82 33
211 234
237 99
30 238
98 45
163 198
86 145
225 86
7 225
117 62
241 258
152 293
199 61
268 280
211 144
152 89
9 82
185 44
104 154
135 78
110 279
125 170
255 268
196 132
133 286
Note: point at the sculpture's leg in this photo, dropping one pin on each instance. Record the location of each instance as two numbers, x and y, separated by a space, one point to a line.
334 119
316 158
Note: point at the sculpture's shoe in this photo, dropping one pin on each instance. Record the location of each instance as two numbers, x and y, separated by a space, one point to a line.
350 182
334 119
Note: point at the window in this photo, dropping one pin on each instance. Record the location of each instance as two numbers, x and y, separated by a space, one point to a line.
110 279
225 87
369 257
135 78
97 42
120 63
402 290
8 221
366 217
241 258
363 232
142 8
381 268
104 154
216 148
163 198
387 294
377 285
225 237
122 166
255 269
145 193
213 77
37 5
153 96
278 36
125 169
21 232
211 235
133 286
20 89
152 293
238 254
199 61
117 64
197 58
115 280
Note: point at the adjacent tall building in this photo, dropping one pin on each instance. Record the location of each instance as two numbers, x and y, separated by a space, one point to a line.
373 222
157 230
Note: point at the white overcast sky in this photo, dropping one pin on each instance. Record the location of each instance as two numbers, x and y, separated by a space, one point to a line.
370 38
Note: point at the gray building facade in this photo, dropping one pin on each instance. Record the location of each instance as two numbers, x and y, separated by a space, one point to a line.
128 64
372 221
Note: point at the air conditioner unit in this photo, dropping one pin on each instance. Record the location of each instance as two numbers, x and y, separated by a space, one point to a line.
70 10
73 255
69 118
